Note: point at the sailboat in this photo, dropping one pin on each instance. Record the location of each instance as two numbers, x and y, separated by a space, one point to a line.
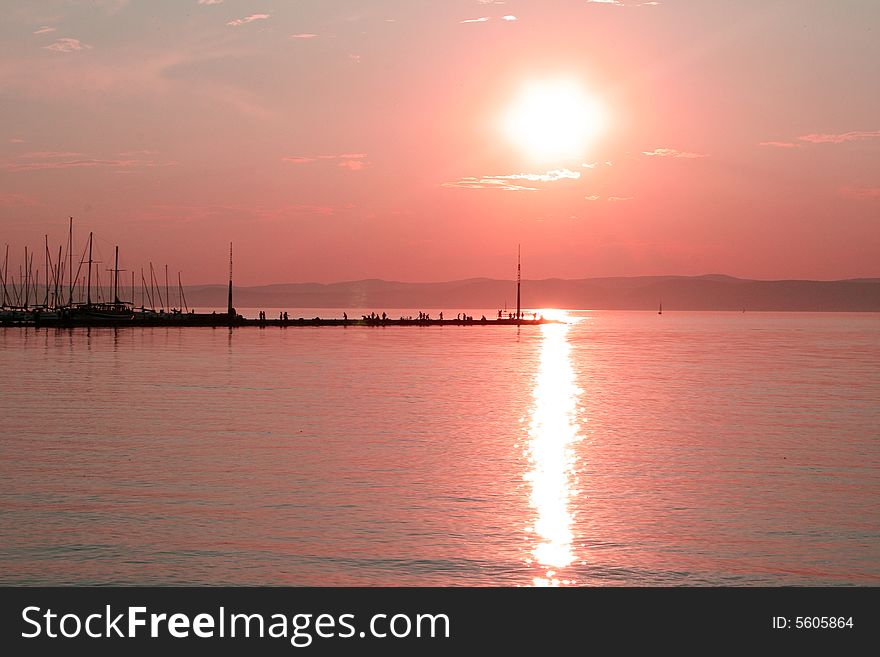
660 312
117 311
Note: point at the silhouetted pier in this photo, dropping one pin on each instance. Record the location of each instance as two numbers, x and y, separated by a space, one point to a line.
217 320
69 303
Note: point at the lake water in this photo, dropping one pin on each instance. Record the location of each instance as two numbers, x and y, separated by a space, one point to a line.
622 448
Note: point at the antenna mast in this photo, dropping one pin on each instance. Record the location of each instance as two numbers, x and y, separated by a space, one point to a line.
229 309
518 279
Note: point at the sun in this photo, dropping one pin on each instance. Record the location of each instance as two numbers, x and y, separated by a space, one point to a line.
553 120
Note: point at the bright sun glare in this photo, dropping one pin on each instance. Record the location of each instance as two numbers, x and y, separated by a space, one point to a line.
553 119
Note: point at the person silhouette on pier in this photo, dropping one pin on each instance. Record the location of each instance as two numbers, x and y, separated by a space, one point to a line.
441 316
344 317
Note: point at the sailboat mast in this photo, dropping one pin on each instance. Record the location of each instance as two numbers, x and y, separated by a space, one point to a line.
27 280
70 255
116 278
34 277
181 294
167 295
46 302
89 284
59 272
5 269
5 273
518 279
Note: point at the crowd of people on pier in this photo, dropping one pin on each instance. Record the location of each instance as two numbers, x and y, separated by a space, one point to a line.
383 318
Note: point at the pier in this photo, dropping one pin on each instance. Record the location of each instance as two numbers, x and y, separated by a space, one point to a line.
69 303
218 320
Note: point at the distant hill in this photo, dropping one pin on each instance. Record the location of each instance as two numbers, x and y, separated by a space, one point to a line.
710 292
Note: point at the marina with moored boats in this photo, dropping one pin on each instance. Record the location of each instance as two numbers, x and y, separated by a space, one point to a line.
65 299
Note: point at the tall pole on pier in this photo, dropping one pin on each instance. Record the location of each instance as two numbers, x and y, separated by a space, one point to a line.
518 279
229 309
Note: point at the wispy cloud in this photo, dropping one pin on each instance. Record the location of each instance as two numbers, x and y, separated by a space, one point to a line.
503 182
195 213
13 200
67 45
16 140
547 176
350 161
248 19
825 138
509 17
304 35
297 159
841 137
41 155
210 2
481 19
672 152
45 30
45 160
781 144
612 199
488 183
352 165
619 3
856 191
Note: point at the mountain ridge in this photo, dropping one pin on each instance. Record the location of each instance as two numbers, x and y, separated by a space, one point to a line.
705 292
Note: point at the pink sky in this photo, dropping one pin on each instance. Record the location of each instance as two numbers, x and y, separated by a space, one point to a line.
340 140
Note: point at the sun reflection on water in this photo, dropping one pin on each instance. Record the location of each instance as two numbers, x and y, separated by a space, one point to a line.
553 432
